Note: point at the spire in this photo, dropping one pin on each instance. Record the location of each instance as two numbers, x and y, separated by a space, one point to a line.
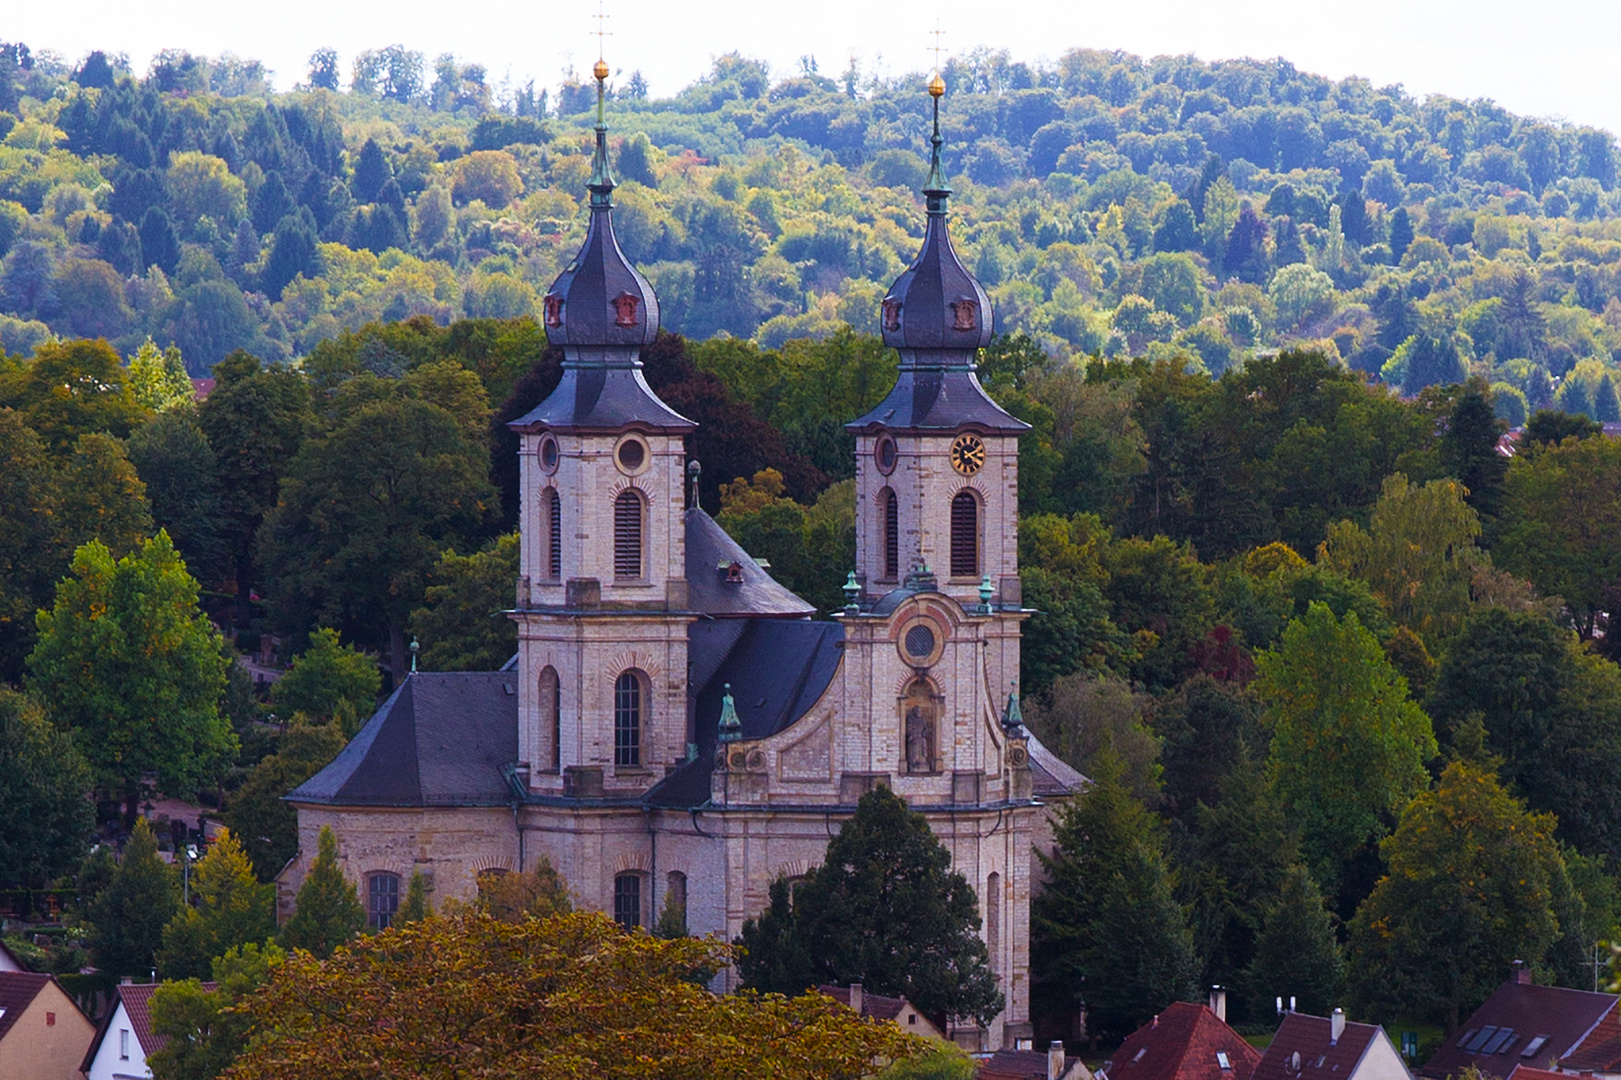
934 185
601 184
731 728
1012 716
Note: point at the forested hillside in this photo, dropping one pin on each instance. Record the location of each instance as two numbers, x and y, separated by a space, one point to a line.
1113 205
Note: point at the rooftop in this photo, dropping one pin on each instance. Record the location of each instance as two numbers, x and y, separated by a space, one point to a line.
1525 1024
1304 1049
1185 1042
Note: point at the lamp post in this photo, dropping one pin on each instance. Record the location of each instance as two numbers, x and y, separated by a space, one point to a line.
185 873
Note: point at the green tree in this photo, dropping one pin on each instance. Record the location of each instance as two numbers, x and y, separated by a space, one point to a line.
205 1029
74 387
158 379
103 497
172 456
127 917
462 624
1297 954
231 910
1060 561
31 555
1468 449
257 811
1348 747
416 906
885 910
327 912
539 894
1107 931
46 816
362 519
328 681
1472 885
126 660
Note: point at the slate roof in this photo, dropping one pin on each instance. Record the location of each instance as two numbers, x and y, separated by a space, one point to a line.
18 989
1562 1018
439 740
877 1006
603 398
777 668
1319 1060
1181 1043
937 399
709 551
1049 776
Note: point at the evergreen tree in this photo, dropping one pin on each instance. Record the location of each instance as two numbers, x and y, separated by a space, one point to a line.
1432 360
1524 332
885 910
1107 932
160 245
1468 449
416 906
1401 233
1354 217
1246 247
272 202
120 246
1178 230
292 252
672 922
372 171
177 465
1550 427
328 912
128 916
1287 249
231 910
158 379
1606 405
1573 397
45 819
1297 954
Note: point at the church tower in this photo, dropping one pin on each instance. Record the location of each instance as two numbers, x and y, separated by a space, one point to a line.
937 466
603 594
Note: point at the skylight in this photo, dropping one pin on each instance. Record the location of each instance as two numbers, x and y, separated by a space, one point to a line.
1465 1037
1480 1040
1533 1046
1221 1059
1498 1041
1138 1056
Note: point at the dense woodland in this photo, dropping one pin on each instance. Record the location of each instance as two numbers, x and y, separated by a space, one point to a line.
1341 672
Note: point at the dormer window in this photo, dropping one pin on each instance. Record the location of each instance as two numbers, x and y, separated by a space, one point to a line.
734 573
554 310
625 308
966 315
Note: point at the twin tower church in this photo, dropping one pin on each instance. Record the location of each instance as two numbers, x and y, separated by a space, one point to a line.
677 724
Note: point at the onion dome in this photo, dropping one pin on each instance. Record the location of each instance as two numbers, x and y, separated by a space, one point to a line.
601 311
938 317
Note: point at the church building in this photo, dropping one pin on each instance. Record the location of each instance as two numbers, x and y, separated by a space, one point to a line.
676 724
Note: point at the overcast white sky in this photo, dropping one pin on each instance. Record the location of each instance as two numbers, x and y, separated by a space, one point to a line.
1556 59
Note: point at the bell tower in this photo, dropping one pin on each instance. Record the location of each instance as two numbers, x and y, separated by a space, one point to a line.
937 465
602 594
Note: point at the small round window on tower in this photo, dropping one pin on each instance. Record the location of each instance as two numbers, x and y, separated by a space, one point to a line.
884 454
631 455
548 454
919 642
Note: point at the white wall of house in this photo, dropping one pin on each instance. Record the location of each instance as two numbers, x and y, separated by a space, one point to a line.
120 1056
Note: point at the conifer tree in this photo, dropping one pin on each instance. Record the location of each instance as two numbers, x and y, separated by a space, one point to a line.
328 911
1401 233
372 171
1297 954
128 916
416 906
158 379
1469 448
232 909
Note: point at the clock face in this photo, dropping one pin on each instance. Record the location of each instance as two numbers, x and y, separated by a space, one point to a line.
967 454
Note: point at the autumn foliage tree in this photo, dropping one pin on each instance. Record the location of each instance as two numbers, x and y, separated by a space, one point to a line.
572 996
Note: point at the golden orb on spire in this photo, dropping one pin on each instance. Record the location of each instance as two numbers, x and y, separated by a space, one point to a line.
937 85
600 70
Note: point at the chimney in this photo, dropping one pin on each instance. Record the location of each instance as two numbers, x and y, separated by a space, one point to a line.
1522 974
1055 1060
1218 1002
1336 1027
855 998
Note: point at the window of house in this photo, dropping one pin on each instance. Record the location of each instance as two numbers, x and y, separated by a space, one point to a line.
892 535
628 900
123 1044
965 535
628 535
551 704
628 719
382 900
675 894
554 534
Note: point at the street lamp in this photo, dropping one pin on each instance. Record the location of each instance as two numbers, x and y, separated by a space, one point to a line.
185 870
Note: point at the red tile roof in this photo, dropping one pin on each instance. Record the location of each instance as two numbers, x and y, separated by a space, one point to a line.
137 1001
1182 1044
876 1006
1599 1050
1562 1018
1308 1036
18 989
1526 1072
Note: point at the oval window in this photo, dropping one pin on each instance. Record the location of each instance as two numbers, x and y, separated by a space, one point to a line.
885 454
548 454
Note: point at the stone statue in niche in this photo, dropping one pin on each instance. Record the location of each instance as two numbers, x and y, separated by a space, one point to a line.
919 730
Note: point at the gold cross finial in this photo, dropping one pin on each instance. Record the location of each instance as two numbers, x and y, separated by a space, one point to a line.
600 70
936 48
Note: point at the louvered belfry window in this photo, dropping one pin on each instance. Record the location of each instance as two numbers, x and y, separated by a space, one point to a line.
964 535
892 535
628 535
554 526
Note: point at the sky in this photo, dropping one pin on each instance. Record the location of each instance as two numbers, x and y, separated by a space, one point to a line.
1554 59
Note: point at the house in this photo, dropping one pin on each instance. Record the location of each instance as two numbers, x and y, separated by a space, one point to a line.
9 961
1535 1026
125 1039
1598 1054
1330 1048
1526 1072
42 1032
1032 1065
897 1010
1185 1042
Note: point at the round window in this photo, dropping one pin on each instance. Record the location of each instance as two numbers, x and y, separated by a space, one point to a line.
919 642
631 455
548 454
884 454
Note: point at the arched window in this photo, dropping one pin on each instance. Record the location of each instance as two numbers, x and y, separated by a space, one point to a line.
628 535
993 918
965 534
551 708
382 900
554 534
892 534
628 719
628 900
675 899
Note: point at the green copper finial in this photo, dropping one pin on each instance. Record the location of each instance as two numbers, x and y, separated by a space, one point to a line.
987 591
1012 716
935 186
416 647
601 184
731 728
852 594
